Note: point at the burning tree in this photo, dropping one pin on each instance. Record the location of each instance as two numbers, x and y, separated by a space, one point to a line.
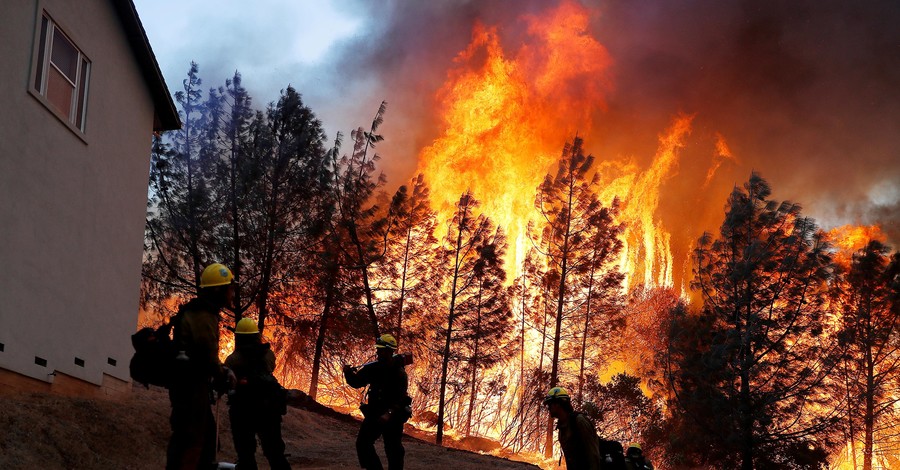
407 272
868 299
470 239
359 221
750 376
484 317
624 413
578 241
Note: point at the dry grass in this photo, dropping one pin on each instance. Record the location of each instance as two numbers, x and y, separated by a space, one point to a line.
40 431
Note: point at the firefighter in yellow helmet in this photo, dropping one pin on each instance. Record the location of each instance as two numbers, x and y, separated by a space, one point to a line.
387 406
257 402
196 334
634 458
575 432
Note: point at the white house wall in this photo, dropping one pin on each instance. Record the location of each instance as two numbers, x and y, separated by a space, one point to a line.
71 209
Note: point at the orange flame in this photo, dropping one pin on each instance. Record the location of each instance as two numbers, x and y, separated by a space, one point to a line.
506 119
647 256
723 152
849 239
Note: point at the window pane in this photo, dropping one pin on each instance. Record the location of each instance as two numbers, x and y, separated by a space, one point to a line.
82 94
39 67
59 92
64 55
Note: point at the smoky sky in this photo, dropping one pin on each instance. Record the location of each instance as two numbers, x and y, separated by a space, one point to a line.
803 92
807 93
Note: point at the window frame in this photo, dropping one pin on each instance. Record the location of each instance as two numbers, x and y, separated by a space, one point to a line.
46 29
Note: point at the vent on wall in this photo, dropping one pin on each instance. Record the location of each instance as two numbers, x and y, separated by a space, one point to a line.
40 361
1 347
110 361
79 362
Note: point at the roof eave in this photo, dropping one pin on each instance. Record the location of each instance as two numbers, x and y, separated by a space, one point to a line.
166 116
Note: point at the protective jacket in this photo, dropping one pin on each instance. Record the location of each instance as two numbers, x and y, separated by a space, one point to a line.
256 386
639 463
579 443
256 406
197 334
192 444
387 383
386 411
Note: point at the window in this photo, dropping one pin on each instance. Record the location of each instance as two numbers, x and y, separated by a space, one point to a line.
61 73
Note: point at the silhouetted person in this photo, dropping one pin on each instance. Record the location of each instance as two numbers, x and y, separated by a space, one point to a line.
387 407
192 445
257 402
576 434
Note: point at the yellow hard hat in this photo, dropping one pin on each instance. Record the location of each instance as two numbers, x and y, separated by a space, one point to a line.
556 393
246 326
216 275
386 341
634 445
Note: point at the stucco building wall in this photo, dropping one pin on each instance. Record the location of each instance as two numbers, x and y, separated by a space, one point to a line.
72 205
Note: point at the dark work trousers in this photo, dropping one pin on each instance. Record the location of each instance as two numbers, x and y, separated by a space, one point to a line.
392 432
193 441
246 424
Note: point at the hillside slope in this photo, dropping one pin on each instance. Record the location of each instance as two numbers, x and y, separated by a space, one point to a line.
39 431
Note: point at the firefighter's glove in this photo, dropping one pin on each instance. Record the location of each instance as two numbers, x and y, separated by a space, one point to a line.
225 382
230 378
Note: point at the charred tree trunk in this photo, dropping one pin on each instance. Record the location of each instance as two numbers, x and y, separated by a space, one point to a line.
445 361
560 303
330 286
587 324
403 284
869 417
476 335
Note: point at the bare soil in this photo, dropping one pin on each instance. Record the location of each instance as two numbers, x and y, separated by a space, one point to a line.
41 431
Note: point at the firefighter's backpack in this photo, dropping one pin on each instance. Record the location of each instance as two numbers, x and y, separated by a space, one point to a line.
153 362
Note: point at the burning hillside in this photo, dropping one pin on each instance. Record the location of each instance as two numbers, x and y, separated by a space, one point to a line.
583 209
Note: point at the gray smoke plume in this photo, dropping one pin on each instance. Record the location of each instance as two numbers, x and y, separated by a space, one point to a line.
806 93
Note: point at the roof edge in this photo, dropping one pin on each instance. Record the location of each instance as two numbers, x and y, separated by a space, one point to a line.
166 116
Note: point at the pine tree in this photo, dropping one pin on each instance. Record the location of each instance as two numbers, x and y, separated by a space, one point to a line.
291 174
359 221
226 145
574 223
757 378
467 236
868 299
483 322
407 272
181 216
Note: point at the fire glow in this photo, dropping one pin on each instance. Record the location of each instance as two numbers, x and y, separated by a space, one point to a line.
505 113
506 118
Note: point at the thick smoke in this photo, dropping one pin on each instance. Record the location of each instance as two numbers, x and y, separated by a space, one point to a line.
806 93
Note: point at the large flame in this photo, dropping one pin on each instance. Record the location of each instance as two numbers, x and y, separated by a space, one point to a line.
506 118
647 255
848 239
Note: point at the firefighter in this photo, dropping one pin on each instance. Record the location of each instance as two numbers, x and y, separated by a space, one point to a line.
634 458
387 407
257 402
576 434
197 371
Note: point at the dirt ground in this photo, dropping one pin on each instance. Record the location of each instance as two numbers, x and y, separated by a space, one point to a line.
40 431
